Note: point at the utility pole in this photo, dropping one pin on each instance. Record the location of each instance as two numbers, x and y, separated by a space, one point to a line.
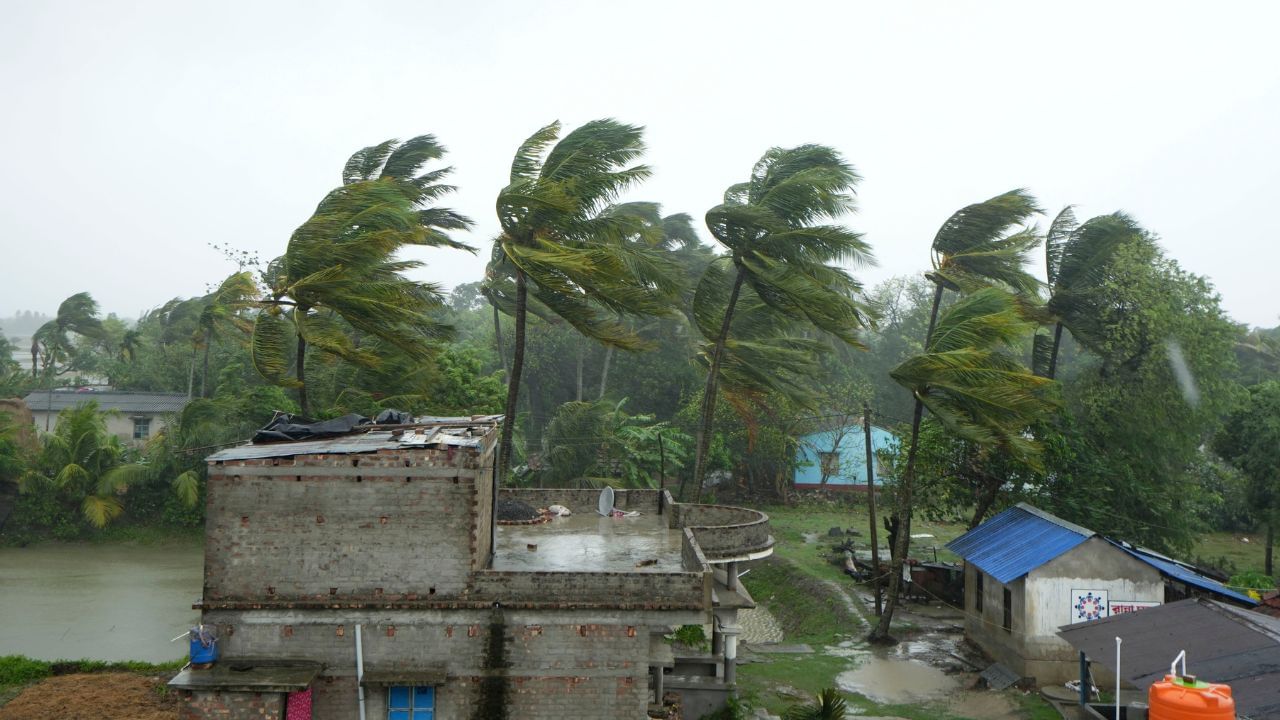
871 504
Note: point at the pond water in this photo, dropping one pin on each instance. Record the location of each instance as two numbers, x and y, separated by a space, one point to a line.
101 602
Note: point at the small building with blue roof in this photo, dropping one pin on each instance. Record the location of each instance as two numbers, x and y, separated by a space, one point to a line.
1028 572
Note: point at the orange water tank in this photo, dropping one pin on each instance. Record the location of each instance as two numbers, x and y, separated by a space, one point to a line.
1185 698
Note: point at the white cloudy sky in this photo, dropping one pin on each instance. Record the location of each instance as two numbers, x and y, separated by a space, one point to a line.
136 133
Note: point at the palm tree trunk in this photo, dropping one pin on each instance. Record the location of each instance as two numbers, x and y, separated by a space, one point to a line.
604 371
902 541
191 373
1053 354
204 372
713 383
578 396
301 374
497 339
513 379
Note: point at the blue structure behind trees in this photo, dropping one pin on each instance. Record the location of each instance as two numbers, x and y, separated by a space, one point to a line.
836 457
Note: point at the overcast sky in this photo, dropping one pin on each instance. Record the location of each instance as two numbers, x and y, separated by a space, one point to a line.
136 133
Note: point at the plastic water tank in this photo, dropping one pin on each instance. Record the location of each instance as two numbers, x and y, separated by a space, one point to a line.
1186 698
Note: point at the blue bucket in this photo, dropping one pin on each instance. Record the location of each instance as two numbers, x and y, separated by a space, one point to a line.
204 647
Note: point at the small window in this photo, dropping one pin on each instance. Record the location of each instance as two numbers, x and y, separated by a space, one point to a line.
977 597
1008 610
141 428
829 462
411 702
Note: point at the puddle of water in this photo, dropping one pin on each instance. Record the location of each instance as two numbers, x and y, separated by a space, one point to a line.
810 538
103 602
893 681
587 542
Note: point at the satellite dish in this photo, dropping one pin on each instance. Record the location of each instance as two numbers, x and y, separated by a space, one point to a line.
605 506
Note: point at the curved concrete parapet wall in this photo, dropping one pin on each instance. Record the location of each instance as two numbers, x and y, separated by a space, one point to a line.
725 532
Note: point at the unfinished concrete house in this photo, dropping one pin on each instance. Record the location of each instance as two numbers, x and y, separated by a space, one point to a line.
365 575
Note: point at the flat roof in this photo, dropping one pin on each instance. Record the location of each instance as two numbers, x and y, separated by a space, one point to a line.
589 542
249 675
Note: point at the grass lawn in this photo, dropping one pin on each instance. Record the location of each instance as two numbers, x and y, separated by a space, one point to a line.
809 612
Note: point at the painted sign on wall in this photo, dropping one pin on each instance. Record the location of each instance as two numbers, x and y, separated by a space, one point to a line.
1088 605
1120 607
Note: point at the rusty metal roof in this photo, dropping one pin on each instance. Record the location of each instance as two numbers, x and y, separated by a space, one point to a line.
1224 644
427 432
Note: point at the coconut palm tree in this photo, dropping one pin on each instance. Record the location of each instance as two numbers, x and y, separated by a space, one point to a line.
341 267
52 343
783 250
971 382
829 705
561 254
222 309
1076 260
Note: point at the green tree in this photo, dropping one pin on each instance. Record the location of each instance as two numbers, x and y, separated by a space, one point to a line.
78 466
1077 257
970 382
562 248
53 344
341 266
782 251
1250 440
223 310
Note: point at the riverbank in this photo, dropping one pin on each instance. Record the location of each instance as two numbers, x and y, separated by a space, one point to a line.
37 689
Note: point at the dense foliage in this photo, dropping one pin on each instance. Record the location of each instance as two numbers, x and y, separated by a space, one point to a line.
622 349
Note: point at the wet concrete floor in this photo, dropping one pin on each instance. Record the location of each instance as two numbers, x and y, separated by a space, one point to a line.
587 542
102 602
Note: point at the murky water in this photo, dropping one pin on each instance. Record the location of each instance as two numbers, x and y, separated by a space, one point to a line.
102 602
893 681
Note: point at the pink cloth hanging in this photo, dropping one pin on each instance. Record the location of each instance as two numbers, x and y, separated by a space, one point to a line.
298 707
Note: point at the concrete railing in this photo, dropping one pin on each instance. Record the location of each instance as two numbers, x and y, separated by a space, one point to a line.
725 532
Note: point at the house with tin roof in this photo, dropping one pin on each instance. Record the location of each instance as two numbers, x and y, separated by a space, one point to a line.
132 416
1028 573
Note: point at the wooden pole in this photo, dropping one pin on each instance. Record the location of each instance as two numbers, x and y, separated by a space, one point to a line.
871 505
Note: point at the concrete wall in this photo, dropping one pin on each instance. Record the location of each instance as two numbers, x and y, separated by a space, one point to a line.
1094 565
853 456
571 664
405 524
986 627
118 424
1042 603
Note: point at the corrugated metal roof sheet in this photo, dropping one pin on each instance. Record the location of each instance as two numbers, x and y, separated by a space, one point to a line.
1017 541
460 432
1223 644
1184 574
120 401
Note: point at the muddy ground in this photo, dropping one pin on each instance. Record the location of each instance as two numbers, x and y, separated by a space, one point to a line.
98 696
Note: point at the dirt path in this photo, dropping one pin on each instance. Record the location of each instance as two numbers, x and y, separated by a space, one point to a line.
98 696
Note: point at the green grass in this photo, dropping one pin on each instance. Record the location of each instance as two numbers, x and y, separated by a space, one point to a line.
1243 557
19 671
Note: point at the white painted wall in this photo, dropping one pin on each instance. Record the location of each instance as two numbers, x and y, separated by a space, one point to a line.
120 425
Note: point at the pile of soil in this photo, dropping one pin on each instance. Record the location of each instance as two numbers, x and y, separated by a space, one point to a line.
101 696
516 511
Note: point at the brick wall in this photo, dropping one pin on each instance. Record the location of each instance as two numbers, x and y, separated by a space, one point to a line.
408 524
599 659
217 705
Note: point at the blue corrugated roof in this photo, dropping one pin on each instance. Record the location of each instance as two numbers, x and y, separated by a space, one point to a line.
1184 574
1017 541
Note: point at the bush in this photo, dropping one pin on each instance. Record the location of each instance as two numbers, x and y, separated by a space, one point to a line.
20 670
